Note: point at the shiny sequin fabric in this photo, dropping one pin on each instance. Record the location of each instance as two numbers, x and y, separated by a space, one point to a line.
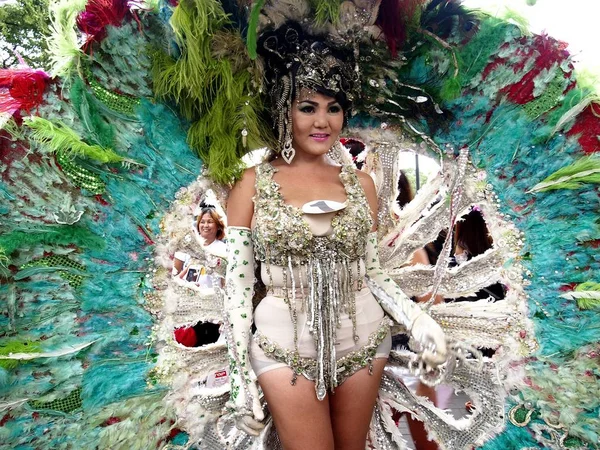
281 232
283 238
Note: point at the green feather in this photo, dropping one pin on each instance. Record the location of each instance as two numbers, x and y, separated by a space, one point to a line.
50 235
100 131
574 176
588 303
326 11
586 294
63 44
14 346
252 26
451 89
215 85
574 111
61 139
3 259
588 286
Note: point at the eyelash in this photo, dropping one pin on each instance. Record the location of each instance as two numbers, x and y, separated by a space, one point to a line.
311 109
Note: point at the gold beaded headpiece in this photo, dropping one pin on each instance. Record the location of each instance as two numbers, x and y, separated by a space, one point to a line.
294 61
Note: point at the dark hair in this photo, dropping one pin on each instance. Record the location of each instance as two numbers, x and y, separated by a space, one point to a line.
216 217
355 147
310 62
405 194
472 233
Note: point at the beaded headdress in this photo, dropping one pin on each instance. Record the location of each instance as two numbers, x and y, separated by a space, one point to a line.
295 61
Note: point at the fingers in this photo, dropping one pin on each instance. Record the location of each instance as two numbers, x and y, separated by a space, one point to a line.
256 406
249 425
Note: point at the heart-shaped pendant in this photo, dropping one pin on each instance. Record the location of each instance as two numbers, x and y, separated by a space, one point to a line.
288 154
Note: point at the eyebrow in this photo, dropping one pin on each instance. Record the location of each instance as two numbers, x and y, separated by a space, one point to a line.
313 103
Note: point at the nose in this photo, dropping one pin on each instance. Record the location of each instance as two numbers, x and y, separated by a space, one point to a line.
321 119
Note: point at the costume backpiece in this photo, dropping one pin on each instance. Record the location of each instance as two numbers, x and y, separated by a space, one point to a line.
149 105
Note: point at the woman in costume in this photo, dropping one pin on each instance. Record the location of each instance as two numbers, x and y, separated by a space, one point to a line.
322 337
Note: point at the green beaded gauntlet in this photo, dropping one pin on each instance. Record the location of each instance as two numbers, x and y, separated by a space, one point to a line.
239 282
423 329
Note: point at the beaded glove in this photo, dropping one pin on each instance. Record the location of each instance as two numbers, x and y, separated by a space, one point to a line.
423 329
239 283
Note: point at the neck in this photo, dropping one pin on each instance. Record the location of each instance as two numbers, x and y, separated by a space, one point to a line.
304 159
208 242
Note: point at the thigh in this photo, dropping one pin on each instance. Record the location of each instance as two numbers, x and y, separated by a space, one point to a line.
352 407
301 420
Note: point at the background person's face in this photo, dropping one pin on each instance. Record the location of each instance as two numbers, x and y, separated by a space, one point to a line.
207 228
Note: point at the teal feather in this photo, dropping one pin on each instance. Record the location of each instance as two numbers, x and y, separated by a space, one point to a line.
111 382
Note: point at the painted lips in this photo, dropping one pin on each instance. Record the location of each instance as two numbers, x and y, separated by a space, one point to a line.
319 137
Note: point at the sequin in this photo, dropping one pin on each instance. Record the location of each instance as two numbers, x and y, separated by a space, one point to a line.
283 238
347 365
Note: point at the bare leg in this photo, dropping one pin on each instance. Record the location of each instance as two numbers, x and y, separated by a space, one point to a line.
417 429
301 420
352 407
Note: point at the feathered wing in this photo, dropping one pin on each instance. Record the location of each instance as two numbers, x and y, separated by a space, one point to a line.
88 356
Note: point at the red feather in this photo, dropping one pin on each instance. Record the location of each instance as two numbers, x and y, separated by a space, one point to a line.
393 17
98 15
587 127
547 52
21 89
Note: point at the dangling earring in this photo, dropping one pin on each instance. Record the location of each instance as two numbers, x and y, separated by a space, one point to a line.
288 152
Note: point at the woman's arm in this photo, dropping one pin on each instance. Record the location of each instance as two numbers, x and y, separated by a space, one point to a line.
394 302
371 193
244 400
240 207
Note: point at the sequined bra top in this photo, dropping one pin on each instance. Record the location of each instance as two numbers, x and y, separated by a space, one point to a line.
282 236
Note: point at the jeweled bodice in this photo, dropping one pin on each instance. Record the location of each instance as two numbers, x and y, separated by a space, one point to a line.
281 234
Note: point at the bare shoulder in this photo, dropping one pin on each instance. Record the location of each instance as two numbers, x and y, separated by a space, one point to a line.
247 180
366 182
240 207
368 186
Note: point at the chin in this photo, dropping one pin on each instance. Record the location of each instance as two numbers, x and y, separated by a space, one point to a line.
320 149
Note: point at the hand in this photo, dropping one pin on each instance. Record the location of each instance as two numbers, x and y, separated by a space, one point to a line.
431 338
250 422
244 393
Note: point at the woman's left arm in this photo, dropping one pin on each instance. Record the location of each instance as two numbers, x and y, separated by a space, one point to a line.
394 302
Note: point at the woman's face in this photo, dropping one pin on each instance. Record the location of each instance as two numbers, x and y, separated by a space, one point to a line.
207 227
316 123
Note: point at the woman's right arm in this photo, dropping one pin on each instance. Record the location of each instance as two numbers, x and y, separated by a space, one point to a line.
244 399
240 207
